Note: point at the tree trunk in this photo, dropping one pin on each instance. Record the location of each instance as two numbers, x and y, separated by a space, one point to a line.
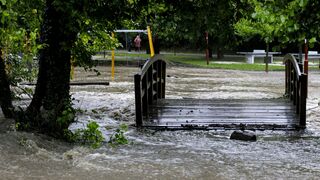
51 97
210 53
267 58
219 53
5 92
300 53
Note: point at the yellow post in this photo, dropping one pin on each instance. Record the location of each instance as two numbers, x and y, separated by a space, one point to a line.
112 61
150 42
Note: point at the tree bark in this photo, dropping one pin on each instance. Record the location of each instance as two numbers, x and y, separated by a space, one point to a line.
219 53
51 97
267 58
300 53
210 53
5 92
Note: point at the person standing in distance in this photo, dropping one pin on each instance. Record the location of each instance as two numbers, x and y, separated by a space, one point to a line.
137 43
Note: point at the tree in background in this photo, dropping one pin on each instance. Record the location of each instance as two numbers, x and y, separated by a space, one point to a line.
282 21
184 23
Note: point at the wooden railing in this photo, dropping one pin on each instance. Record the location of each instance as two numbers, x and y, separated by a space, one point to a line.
296 87
149 86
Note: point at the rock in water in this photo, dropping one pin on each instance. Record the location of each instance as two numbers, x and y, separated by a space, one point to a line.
244 136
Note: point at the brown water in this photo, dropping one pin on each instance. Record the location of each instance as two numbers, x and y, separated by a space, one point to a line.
169 154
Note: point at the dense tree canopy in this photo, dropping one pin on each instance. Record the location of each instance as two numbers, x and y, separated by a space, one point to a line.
283 21
184 23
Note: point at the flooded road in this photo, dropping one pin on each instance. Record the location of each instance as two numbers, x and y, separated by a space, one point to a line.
169 154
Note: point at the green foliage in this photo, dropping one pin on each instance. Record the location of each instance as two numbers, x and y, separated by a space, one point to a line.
285 21
118 137
22 126
89 42
22 141
19 29
263 21
175 25
91 135
67 117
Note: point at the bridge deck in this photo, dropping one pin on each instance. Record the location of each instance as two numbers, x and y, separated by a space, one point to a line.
258 114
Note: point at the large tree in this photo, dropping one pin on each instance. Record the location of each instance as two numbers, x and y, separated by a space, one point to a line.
63 25
68 30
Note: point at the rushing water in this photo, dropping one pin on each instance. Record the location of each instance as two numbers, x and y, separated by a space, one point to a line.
169 154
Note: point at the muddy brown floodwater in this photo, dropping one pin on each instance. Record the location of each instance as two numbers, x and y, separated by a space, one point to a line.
168 154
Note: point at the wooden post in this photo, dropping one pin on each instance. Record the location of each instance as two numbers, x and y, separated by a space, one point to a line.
138 99
155 80
291 80
164 80
159 79
306 63
298 96
286 77
150 82
112 61
303 100
145 94
295 90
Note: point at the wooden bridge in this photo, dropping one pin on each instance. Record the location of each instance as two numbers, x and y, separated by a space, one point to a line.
154 111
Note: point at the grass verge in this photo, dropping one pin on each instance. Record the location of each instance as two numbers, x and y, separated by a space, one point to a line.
231 66
229 62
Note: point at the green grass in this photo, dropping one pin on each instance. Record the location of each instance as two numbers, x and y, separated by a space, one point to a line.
232 63
237 66
133 55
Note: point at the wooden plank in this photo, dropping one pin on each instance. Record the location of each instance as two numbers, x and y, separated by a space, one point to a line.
195 103
222 120
221 125
222 104
224 116
284 127
178 111
226 108
223 100
268 113
198 112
